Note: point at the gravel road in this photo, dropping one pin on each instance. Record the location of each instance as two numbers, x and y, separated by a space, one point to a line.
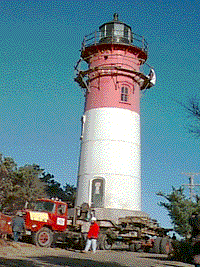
22 254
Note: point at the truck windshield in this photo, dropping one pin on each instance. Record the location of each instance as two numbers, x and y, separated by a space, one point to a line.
44 206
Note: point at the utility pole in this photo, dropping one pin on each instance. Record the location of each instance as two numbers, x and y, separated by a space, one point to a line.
191 184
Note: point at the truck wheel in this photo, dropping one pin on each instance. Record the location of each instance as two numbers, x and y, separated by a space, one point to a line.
43 238
165 247
105 242
156 246
132 247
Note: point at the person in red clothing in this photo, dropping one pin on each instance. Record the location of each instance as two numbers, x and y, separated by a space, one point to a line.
92 236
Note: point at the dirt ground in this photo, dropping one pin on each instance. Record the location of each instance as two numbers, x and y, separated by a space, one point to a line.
23 254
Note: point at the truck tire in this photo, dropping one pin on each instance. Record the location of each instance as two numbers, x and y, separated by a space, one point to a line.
105 242
157 244
43 238
132 247
165 247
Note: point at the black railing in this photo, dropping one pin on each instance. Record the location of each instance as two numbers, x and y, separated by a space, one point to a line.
100 37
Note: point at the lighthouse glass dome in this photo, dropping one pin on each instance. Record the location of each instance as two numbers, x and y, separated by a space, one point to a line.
116 32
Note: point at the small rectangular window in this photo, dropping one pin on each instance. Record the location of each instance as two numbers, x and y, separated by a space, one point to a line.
61 209
124 94
103 32
109 30
119 30
127 33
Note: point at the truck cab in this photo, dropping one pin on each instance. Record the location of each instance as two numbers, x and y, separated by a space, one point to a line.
50 213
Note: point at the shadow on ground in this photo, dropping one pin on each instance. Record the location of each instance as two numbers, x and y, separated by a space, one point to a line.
168 259
55 262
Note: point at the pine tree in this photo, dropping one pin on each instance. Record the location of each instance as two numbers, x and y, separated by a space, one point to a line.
54 189
33 187
70 192
180 210
19 185
9 187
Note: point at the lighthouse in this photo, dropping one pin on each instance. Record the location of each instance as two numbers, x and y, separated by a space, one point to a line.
109 72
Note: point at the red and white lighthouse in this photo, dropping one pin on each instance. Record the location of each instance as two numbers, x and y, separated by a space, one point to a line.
110 165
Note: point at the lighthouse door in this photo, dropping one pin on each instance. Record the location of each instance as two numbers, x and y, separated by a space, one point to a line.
97 193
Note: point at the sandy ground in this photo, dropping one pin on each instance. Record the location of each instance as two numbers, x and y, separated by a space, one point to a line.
23 254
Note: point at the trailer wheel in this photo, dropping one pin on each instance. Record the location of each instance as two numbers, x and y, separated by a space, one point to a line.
134 247
137 246
43 238
105 242
146 249
165 247
81 243
156 246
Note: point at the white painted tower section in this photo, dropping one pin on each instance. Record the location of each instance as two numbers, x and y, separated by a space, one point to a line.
111 150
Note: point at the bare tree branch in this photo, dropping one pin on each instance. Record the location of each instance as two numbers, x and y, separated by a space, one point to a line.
193 109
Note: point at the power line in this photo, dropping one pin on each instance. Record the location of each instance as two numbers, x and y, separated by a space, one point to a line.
191 184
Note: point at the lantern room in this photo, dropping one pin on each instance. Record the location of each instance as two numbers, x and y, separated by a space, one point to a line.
115 32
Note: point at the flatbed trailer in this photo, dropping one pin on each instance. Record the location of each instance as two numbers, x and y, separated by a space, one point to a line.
51 222
139 232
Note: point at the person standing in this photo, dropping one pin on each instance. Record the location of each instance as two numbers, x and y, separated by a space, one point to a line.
18 225
92 236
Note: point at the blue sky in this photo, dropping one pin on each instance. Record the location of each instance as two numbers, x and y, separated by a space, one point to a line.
41 105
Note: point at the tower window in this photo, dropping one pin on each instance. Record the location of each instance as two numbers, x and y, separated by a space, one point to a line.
97 196
124 93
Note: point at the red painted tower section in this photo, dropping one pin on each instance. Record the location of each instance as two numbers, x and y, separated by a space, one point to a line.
107 77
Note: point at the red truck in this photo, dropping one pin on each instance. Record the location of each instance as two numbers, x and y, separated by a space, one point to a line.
49 217
51 222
